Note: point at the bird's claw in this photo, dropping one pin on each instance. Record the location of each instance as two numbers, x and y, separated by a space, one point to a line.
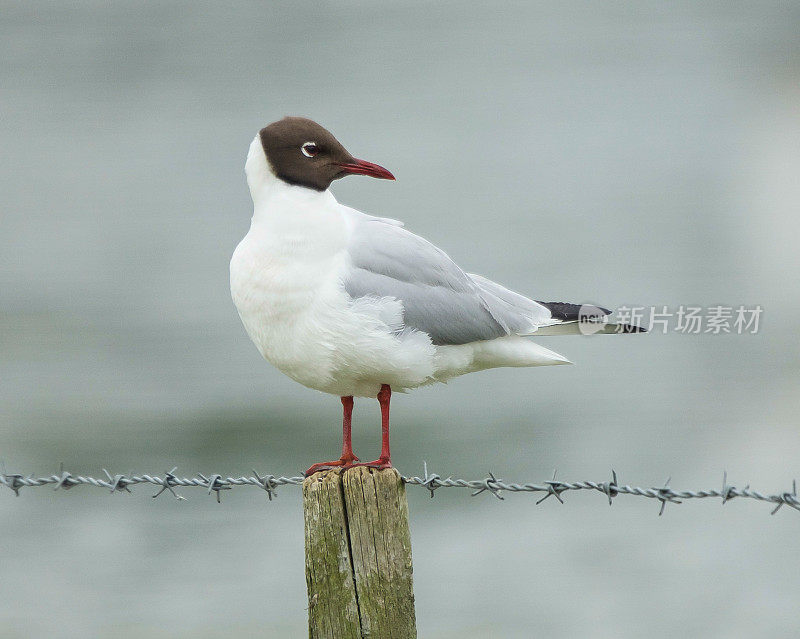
343 462
378 464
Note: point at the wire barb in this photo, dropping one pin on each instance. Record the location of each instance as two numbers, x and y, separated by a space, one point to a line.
790 499
167 483
611 488
431 482
118 482
728 492
13 481
215 483
65 479
665 495
555 488
493 485
268 484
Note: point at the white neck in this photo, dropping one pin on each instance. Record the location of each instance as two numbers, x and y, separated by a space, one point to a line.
266 187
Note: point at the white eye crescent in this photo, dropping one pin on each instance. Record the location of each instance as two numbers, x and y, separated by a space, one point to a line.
309 149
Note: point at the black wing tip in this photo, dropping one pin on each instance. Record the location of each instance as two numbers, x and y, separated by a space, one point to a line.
569 312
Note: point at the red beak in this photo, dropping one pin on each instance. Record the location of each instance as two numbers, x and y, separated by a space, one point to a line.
362 167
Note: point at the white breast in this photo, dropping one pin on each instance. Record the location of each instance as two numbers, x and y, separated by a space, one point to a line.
284 274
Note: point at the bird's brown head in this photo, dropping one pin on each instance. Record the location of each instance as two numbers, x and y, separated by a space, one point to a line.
303 153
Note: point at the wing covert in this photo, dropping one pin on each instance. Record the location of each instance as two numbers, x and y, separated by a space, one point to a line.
437 296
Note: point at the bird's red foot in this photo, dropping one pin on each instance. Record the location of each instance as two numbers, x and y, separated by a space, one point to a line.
342 462
381 463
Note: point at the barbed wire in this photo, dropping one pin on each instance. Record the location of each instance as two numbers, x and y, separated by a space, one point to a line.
217 483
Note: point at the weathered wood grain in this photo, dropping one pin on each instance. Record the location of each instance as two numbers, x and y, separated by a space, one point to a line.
358 555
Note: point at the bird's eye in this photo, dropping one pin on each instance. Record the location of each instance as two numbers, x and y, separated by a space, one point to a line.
310 149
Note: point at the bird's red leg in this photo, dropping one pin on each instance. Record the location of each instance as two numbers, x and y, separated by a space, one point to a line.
347 458
384 397
385 460
347 421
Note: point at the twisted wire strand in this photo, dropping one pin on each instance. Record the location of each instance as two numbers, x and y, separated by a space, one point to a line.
217 483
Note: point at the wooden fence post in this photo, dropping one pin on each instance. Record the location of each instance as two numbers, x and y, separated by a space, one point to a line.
358 555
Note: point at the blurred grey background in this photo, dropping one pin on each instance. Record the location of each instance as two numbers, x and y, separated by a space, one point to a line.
625 154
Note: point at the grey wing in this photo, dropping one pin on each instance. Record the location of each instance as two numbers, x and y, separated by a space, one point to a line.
437 296
537 312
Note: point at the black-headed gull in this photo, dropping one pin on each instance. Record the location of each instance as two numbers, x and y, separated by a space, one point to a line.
356 305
